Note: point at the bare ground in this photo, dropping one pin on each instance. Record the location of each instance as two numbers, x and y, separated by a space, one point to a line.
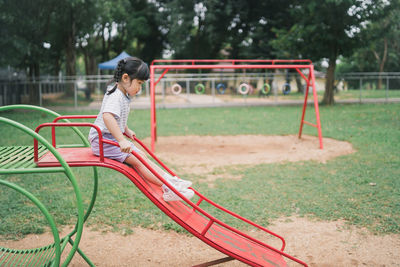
318 243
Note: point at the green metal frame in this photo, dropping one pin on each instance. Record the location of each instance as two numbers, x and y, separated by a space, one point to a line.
12 254
30 167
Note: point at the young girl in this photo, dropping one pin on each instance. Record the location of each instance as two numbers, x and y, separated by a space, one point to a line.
112 119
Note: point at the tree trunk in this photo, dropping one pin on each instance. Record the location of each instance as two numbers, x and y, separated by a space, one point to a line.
90 69
300 87
382 63
329 84
34 75
297 79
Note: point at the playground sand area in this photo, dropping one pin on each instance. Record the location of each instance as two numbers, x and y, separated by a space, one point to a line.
318 243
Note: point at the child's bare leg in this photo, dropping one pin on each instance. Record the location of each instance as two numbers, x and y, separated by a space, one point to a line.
166 175
168 194
153 165
147 174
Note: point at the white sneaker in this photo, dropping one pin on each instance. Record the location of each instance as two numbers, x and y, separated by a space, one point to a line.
179 183
169 195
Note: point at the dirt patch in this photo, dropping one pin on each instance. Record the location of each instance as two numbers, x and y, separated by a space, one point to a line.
201 154
315 242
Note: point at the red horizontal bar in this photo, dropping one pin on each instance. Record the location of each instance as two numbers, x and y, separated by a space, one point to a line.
155 67
233 61
75 117
311 124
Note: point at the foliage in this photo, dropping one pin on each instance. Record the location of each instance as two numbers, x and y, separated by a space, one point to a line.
25 25
47 36
326 31
228 28
380 49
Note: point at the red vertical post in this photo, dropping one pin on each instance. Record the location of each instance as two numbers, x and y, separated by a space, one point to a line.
153 126
305 103
316 107
53 136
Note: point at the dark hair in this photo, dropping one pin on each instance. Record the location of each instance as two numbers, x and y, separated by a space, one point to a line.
134 67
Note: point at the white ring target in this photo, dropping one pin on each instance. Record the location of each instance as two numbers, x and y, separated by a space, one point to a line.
246 88
176 89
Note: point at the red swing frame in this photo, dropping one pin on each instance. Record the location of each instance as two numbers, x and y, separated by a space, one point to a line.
179 64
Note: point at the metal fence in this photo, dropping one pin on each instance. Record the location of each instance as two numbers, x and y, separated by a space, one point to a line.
371 85
83 91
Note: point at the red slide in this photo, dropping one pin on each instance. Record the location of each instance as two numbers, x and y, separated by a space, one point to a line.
191 216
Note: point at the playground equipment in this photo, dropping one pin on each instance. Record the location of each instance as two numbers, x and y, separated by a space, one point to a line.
192 216
286 89
221 87
183 64
244 89
20 160
266 89
176 89
199 88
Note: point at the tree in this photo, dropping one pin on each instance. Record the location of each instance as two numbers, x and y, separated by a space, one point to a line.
123 25
326 30
184 28
25 25
72 20
222 28
380 38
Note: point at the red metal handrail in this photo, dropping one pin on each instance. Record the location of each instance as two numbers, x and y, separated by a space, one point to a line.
53 133
67 124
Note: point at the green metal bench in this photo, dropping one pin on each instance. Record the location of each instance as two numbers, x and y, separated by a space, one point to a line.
20 160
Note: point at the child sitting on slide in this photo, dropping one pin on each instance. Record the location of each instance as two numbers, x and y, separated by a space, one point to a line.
112 119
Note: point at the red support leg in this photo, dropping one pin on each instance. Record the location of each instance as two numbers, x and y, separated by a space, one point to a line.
214 262
153 126
316 108
153 106
305 103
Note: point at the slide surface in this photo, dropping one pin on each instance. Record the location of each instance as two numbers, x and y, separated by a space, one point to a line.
187 214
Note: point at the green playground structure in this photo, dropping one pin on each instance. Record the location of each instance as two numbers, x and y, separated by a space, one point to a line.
20 160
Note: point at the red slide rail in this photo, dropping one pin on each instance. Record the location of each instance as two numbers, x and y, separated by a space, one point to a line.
133 176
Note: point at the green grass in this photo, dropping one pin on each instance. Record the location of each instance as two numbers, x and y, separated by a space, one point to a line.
338 189
367 94
66 101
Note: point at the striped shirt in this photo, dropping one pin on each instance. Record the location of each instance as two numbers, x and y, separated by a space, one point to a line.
116 103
